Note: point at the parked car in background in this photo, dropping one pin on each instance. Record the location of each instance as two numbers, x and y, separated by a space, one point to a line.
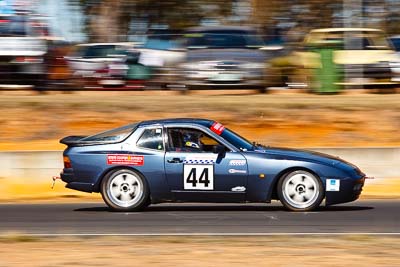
395 41
22 52
162 52
395 65
102 64
362 58
223 57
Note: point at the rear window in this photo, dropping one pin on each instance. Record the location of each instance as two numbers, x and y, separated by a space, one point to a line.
114 135
151 139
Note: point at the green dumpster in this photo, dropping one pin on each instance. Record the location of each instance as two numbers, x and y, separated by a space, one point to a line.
328 76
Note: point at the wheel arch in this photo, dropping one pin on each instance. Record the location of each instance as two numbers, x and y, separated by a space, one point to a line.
282 174
97 186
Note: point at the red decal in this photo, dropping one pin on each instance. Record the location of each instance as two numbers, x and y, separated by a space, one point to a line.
125 159
217 128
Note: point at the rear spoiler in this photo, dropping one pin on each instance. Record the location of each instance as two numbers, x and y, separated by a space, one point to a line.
78 141
73 140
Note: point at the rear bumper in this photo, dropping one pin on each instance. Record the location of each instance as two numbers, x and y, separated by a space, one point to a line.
67 176
84 187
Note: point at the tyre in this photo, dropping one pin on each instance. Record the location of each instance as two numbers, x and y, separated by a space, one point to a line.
300 191
125 190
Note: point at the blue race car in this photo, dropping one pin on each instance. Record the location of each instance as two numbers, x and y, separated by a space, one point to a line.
199 160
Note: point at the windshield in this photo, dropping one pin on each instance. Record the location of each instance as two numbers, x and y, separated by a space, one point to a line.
223 40
100 51
396 43
163 42
14 26
114 135
236 140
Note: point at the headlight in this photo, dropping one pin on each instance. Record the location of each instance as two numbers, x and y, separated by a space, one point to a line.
191 66
395 68
198 65
394 64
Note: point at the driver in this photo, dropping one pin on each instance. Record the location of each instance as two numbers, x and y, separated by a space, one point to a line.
192 141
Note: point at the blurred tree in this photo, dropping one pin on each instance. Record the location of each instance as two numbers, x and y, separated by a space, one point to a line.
104 19
294 17
109 20
179 14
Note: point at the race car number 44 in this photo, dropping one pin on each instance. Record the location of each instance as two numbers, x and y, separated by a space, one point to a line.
198 177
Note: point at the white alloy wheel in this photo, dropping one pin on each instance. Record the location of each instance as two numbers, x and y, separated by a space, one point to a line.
124 189
300 191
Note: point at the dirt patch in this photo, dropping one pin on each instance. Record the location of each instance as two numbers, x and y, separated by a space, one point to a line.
17 250
37 122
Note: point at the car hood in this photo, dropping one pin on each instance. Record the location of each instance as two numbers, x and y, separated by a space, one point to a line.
299 154
233 54
310 156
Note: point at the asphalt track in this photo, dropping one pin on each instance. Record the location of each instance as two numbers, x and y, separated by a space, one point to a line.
363 216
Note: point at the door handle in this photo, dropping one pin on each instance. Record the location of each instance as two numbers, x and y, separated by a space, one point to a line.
175 160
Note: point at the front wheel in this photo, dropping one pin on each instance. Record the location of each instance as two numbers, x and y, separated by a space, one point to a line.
125 190
300 191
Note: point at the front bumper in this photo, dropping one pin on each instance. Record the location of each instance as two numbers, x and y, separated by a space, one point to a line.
224 77
350 190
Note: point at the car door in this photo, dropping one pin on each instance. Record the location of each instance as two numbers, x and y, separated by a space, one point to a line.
200 168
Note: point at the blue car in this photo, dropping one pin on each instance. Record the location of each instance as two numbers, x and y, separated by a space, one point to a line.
199 160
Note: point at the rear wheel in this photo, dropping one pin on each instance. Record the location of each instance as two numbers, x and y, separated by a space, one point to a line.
300 191
125 190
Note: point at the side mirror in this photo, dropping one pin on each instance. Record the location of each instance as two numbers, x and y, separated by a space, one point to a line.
220 150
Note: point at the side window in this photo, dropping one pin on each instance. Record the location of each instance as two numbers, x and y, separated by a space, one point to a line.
190 140
151 139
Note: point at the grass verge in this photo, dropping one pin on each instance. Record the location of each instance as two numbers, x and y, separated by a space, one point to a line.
202 251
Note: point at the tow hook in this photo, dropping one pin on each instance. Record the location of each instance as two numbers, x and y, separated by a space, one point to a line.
55 178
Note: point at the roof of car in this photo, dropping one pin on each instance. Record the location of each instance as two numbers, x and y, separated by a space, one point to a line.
204 122
345 30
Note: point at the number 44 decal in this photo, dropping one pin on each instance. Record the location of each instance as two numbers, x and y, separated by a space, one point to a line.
198 177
